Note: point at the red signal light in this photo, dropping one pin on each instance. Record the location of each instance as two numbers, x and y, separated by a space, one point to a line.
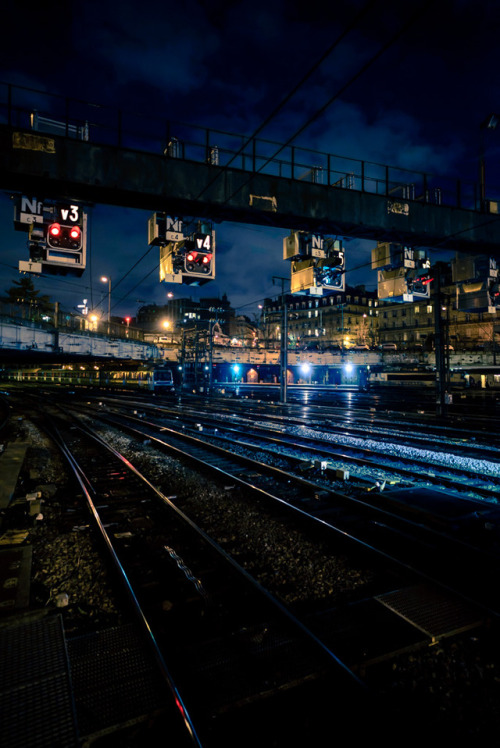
65 237
197 261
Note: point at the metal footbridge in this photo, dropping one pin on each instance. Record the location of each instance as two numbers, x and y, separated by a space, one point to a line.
57 147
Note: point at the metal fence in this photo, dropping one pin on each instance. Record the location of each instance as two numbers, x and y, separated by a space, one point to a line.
30 109
37 316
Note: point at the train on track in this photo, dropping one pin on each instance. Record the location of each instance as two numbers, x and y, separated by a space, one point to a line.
470 377
161 377
151 377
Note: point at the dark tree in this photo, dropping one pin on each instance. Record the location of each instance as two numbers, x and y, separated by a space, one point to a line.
23 292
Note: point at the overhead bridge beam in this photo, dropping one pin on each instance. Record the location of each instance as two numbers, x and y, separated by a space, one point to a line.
53 166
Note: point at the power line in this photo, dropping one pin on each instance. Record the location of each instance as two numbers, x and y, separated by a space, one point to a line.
333 98
355 21
395 37
128 273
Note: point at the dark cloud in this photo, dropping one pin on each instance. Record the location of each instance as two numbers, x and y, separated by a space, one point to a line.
228 65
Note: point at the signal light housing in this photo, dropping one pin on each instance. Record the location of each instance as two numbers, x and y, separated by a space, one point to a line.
64 237
198 262
199 256
190 261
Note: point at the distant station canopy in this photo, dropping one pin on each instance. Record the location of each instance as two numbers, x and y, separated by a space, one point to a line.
57 236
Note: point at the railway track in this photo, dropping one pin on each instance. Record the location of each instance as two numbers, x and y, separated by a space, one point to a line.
233 656
356 408
375 424
392 612
417 460
372 465
4 413
379 460
470 408
446 544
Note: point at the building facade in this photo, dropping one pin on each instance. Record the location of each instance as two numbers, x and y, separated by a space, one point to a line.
359 318
338 320
185 313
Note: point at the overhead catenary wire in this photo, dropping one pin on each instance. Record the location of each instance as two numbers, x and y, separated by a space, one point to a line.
350 27
395 37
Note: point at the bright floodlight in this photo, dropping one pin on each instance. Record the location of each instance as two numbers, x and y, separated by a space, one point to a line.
305 369
348 368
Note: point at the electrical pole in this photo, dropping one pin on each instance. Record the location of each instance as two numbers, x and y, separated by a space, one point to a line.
55 344
442 352
490 123
341 307
183 357
210 354
196 353
284 342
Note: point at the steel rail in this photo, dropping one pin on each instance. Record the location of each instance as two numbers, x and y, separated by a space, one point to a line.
88 492
381 517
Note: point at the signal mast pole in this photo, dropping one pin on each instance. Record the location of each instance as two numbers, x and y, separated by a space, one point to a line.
442 352
284 342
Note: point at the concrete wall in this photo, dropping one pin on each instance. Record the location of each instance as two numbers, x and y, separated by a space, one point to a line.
29 337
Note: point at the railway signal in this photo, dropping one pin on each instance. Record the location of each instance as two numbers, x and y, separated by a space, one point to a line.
57 236
64 237
198 255
317 263
187 258
403 273
477 283
301 244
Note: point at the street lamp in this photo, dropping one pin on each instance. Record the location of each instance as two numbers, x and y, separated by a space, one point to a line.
107 279
166 326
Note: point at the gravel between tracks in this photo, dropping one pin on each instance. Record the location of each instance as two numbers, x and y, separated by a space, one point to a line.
454 686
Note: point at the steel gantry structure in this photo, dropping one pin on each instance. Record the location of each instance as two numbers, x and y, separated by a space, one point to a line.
89 154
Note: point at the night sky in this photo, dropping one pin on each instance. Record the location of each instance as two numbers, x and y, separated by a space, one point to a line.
408 84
